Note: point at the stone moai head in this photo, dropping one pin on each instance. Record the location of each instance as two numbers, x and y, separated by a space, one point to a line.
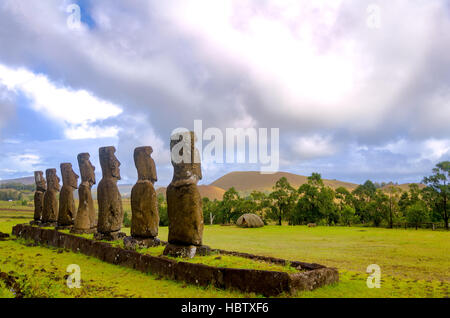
41 184
70 178
109 163
185 157
87 170
145 164
52 180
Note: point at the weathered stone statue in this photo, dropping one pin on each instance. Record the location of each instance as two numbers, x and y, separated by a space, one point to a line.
144 204
85 221
184 203
41 187
67 211
110 211
50 211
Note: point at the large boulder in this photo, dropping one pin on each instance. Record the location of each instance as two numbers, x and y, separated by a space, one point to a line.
250 220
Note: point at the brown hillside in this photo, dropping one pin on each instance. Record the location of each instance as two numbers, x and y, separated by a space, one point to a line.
206 191
25 181
403 187
247 181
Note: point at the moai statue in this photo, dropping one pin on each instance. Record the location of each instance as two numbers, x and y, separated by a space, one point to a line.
110 211
41 187
67 211
50 212
144 204
85 221
184 203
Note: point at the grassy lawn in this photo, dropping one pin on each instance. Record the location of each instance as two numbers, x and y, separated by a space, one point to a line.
413 263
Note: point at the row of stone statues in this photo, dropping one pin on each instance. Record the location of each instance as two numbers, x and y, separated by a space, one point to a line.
183 200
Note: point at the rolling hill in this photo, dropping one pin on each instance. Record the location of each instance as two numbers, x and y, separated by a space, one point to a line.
25 181
247 181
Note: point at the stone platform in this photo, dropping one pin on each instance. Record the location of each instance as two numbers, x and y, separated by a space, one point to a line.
267 283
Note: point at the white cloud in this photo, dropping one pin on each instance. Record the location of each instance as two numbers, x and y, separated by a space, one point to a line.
315 146
311 68
78 110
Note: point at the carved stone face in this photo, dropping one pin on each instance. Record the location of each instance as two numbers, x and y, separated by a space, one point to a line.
185 157
87 170
52 180
144 164
41 184
109 163
70 178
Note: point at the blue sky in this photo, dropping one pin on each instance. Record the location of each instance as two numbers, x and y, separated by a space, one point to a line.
352 101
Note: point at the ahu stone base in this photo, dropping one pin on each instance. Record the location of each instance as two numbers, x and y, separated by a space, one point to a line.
49 224
63 227
112 236
133 243
189 251
267 283
87 231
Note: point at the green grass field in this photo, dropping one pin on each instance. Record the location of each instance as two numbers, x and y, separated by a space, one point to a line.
413 263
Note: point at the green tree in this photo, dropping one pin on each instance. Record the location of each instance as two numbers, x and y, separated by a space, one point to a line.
378 208
282 200
162 209
393 194
439 189
344 198
417 213
229 206
316 202
364 194
210 210
348 216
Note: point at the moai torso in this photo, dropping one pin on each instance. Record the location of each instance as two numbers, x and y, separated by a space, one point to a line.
50 211
144 204
110 212
184 203
41 187
67 211
86 216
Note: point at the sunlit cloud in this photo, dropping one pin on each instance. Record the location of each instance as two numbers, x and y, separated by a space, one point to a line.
78 110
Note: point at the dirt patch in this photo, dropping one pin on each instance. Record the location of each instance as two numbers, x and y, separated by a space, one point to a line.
11 283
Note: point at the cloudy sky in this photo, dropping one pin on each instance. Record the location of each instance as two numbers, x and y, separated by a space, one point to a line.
359 89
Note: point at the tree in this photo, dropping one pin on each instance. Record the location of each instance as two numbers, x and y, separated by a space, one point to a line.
417 213
316 202
162 209
439 189
229 205
283 199
348 216
364 195
210 210
378 208
344 197
393 199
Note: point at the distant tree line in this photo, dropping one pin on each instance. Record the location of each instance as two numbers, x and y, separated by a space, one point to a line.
10 195
313 202
18 186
